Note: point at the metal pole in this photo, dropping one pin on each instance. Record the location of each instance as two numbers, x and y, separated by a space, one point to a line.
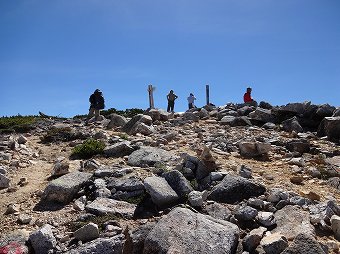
151 102
207 93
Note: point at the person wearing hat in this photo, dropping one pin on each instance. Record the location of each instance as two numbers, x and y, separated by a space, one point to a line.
191 99
248 99
171 101
97 103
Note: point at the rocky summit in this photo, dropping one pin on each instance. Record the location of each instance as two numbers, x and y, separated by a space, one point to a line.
227 179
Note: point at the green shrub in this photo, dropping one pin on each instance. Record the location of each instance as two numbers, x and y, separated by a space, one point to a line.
99 220
17 123
89 148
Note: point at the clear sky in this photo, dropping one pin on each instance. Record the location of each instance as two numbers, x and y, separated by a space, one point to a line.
55 53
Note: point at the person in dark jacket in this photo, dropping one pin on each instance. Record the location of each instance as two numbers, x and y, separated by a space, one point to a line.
97 103
171 101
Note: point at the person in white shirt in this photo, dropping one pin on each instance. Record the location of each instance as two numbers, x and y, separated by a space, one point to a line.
191 100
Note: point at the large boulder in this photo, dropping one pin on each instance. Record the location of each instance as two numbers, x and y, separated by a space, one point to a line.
64 188
234 189
87 232
160 191
296 108
292 220
325 110
183 231
149 156
104 206
298 145
330 127
178 183
235 121
304 243
119 150
254 149
116 121
43 240
140 118
262 115
292 124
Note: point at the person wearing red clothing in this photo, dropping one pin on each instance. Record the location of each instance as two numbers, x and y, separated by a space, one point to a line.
247 98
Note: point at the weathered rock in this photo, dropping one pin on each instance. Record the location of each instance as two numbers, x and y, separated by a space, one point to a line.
244 171
218 211
102 206
118 150
325 110
254 149
262 115
178 183
297 108
131 125
274 243
22 139
113 245
131 183
252 240
330 127
304 243
235 121
12 208
195 198
142 128
65 187
183 231
135 239
299 145
334 182
191 116
24 219
292 124
277 194
43 240
14 242
245 213
154 113
87 233
160 191
61 168
4 181
335 223
149 156
79 204
266 219
292 220
116 121
235 188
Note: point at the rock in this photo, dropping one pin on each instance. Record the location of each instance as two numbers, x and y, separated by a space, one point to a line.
297 161
330 127
116 121
61 168
296 179
154 113
335 223
266 219
274 243
311 195
183 231
190 116
314 172
135 239
334 182
3 170
79 204
252 240
245 213
325 110
160 191
43 240
65 187
292 220
297 108
269 126
113 245
12 208
265 105
197 168
235 188
203 113
142 128
218 211
87 233
24 219
149 156
298 145
131 125
254 149
262 115
4 181
22 139
131 183
104 206
277 194
292 124
14 242
235 121
244 171
195 198
336 112
118 150
178 183
304 243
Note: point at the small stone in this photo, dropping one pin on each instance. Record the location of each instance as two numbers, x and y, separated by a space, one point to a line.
195 198
335 222
87 233
274 243
266 219
4 181
22 139
24 219
296 179
311 195
12 208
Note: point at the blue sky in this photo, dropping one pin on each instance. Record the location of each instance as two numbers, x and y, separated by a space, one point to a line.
54 54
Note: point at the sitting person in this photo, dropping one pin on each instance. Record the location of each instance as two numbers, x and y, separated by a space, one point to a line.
247 98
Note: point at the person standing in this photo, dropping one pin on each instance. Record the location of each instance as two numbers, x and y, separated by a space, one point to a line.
171 101
248 99
96 104
191 100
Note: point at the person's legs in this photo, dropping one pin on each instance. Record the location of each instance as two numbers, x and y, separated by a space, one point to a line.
97 113
168 109
90 114
190 105
172 106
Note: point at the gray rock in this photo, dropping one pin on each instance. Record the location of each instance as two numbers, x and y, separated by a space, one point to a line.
314 172
4 181
3 170
154 113
244 171
22 139
149 156
254 149
274 243
195 198
336 112
304 243
103 206
61 168
134 243
199 169
292 220
160 191
322 212
298 145
266 219
79 204
325 110
102 192
118 150
24 219
235 188
334 182
65 187
203 113
113 245
252 240
277 194
43 240
245 213
14 242
131 183
235 121
190 116
269 126
330 127
335 223
183 231
87 233
116 121
292 124
131 125
218 211
297 108
178 183
262 115
142 128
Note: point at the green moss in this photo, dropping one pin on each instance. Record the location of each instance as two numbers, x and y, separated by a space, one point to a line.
88 149
17 123
99 220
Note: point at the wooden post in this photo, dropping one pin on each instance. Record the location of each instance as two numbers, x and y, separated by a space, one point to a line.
207 93
151 101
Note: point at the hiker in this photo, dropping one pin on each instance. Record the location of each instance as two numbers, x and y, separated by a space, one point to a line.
171 101
247 98
97 103
191 100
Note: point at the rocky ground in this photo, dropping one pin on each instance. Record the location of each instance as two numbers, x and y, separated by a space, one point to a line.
229 179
